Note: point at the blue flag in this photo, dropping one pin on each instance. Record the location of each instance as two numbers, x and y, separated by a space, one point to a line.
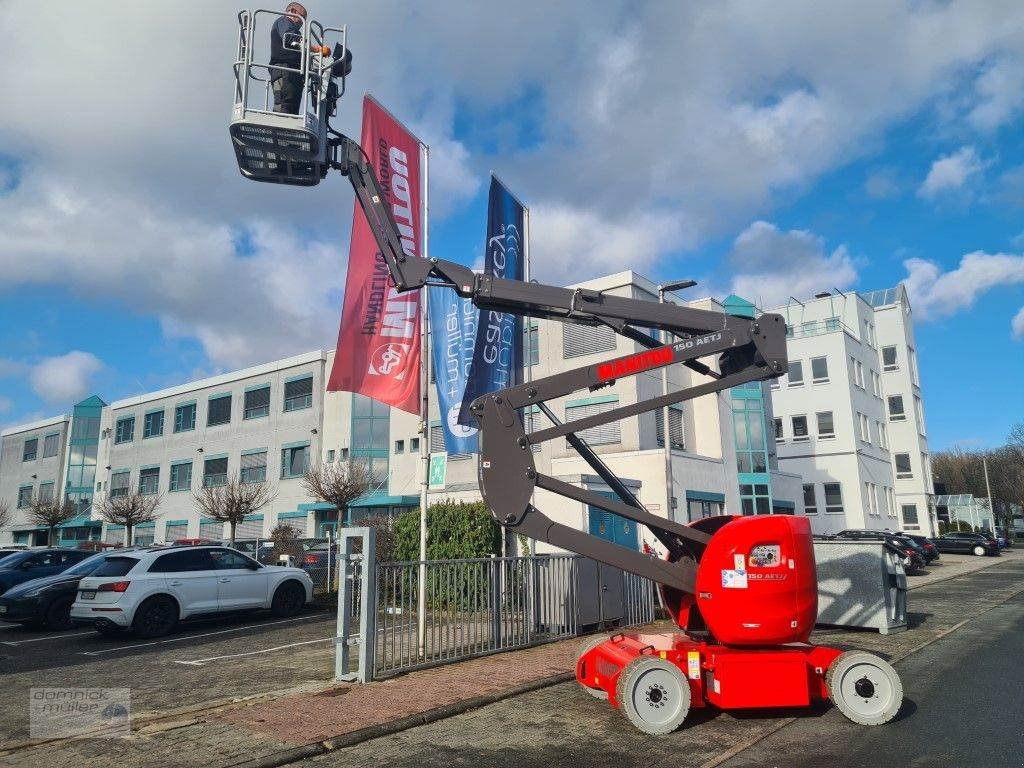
498 353
452 333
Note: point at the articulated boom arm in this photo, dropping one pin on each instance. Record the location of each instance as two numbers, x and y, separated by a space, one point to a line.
747 350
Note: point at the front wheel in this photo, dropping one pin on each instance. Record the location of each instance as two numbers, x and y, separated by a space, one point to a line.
156 617
58 613
864 687
288 599
654 695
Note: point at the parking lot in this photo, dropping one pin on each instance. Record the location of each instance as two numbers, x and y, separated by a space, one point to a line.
201 662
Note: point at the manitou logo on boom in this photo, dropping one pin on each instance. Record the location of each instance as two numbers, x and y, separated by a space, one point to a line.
634 363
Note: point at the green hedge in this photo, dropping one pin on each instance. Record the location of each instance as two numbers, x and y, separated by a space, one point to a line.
454 529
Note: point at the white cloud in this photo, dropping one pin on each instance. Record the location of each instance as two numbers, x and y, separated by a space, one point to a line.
773 265
951 172
883 184
11 368
1000 95
66 378
5 404
1017 325
935 293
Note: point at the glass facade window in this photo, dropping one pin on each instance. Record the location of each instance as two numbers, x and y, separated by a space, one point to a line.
833 498
51 444
902 461
826 427
819 370
218 410
119 483
215 472
370 445
153 424
799 428
149 481
796 373
294 461
24 496
254 467
298 394
698 510
257 403
124 432
181 477
889 362
185 417
83 446
909 512
896 412
755 499
751 445
30 450
810 500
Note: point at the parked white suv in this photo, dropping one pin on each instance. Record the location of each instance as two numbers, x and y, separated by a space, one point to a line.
151 590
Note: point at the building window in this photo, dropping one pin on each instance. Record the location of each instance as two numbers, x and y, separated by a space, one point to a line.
774 384
799 428
298 394
675 427
883 441
889 359
153 424
294 461
603 434
833 498
903 470
890 503
826 427
215 472
860 374
532 342
149 481
257 403
254 467
919 412
185 417
796 373
124 432
218 410
896 412
46 491
779 436
909 512
819 370
30 450
864 426
414 445
181 477
912 358
330 456
755 499
51 443
119 483
872 498
578 340
399 446
25 497
810 499
876 384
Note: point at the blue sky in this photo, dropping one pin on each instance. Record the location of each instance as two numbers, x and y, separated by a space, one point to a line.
757 151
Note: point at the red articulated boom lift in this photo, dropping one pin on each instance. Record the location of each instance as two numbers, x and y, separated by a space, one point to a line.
742 590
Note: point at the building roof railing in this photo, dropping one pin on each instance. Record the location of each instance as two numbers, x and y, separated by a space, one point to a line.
816 328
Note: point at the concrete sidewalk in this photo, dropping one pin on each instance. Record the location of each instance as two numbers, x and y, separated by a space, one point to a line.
295 724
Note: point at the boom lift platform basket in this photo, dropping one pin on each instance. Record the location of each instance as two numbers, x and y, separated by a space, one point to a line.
742 589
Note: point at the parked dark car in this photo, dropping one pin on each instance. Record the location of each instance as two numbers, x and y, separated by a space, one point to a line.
318 560
35 563
967 544
911 555
5 552
46 601
930 550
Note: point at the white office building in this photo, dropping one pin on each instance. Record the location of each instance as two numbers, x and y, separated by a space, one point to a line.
849 414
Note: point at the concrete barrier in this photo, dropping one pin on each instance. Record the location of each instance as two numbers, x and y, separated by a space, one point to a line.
860 584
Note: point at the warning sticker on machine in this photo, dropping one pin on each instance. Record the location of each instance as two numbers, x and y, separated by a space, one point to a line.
693 665
734 579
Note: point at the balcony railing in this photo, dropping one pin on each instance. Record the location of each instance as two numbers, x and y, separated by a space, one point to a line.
815 328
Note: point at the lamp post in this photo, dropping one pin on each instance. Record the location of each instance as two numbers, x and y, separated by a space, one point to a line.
667 441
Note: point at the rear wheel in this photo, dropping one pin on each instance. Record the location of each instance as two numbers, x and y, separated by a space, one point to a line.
156 617
864 687
597 693
288 599
979 550
654 695
58 613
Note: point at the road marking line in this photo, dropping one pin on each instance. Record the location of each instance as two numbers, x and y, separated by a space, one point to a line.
40 639
201 662
193 637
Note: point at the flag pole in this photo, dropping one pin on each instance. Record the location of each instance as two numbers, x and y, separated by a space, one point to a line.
527 366
421 598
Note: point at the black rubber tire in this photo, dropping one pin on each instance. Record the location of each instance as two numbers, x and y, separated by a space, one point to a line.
156 617
57 615
289 599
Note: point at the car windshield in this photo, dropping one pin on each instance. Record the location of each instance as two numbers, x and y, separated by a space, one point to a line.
87 566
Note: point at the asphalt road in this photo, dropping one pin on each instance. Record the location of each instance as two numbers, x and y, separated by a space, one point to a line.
200 662
964 695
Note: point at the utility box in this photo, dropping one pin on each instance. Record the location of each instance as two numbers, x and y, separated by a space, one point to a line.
860 584
600 593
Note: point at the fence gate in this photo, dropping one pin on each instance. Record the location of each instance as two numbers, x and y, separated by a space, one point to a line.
355 555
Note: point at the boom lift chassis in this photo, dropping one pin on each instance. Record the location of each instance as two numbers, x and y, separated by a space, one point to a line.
743 588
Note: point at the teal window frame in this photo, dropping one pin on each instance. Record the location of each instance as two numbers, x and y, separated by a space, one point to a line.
180 410
215 479
176 482
25 500
149 474
153 424
298 402
249 473
287 458
30 454
124 430
209 402
261 411
119 491
52 486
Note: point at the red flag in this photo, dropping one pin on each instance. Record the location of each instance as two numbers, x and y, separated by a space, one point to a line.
378 352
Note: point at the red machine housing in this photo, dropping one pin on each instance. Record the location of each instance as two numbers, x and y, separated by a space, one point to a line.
756 604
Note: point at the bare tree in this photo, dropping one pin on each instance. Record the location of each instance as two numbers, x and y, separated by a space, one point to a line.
129 510
5 513
51 512
337 484
232 502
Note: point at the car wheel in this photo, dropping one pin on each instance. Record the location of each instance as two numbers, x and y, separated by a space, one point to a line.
58 613
864 687
288 599
156 617
979 550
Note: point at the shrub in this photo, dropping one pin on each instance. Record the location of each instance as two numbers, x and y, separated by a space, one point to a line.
455 529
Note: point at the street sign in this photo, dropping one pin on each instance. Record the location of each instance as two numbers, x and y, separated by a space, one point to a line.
438 470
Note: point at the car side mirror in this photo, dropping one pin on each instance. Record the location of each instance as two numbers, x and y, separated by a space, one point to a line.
252 566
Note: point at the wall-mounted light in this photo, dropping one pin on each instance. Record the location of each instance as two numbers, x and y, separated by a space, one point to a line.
313 431
199 450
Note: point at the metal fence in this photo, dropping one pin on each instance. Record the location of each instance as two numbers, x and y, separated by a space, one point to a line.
316 556
474 607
